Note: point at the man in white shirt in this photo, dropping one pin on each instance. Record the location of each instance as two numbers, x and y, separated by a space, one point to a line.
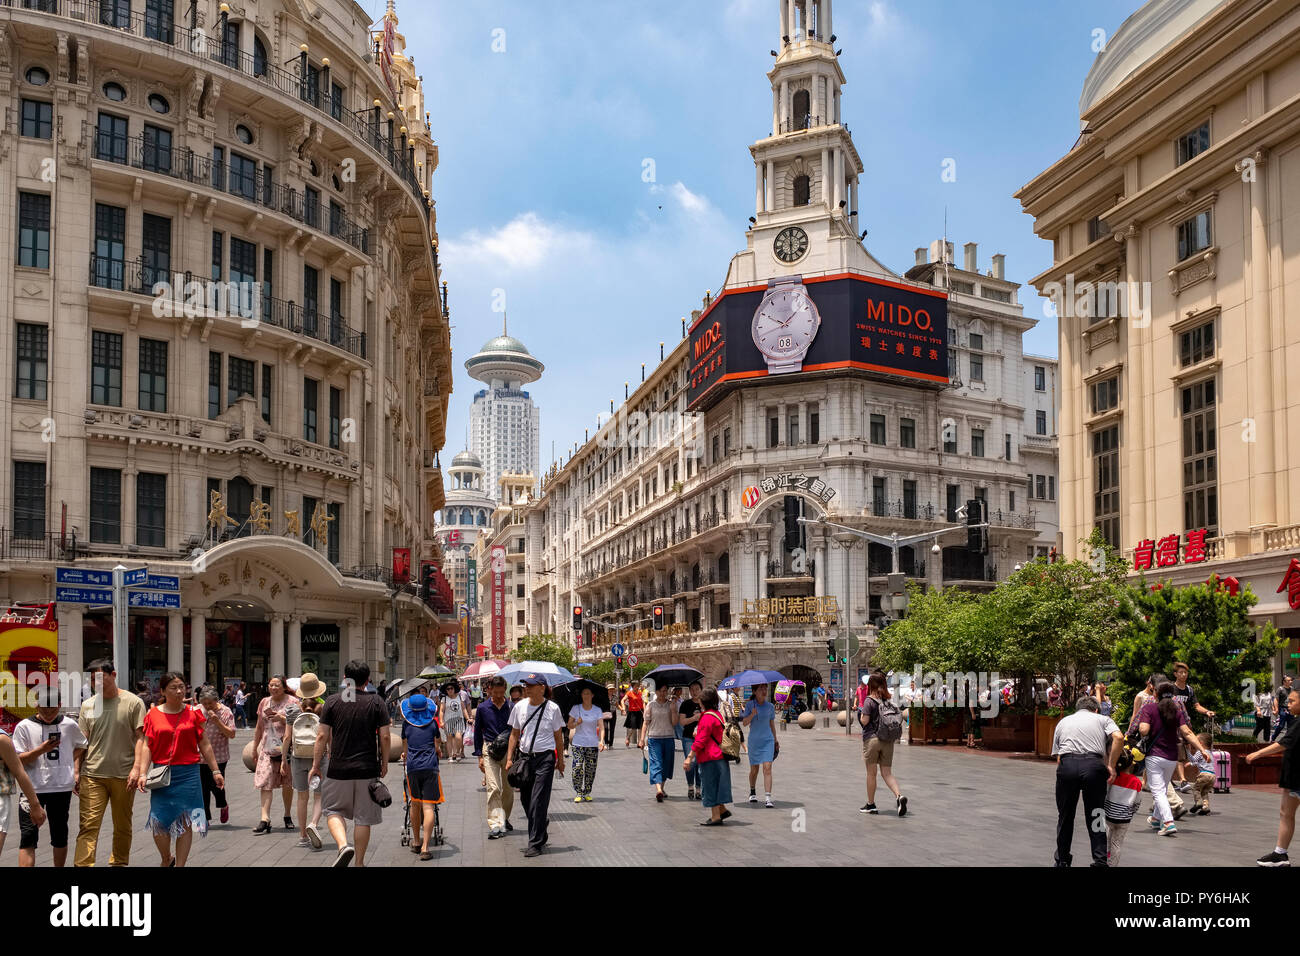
1087 747
537 741
47 744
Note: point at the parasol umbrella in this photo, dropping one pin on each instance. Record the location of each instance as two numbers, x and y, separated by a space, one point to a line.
436 670
673 675
569 694
553 674
404 687
481 669
750 679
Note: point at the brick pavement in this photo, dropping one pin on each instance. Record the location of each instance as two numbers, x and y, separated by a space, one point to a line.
965 808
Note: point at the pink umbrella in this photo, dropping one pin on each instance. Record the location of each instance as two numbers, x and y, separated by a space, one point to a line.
483 668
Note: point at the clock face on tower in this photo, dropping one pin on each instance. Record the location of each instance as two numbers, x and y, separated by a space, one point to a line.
790 244
785 324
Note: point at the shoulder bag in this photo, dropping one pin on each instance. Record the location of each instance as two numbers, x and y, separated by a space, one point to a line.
521 774
159 777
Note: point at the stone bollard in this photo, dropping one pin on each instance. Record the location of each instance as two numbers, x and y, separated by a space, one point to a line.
250 761
843 718
826 721
807 720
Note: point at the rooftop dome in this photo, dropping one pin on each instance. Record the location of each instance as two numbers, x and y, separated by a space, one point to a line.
504 343
466 459
504 357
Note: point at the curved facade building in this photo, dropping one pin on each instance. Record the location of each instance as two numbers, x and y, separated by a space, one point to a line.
210 369
466 515
504 423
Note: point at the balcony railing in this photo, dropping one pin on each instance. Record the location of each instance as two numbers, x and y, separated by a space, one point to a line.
309 88
37 546
783 569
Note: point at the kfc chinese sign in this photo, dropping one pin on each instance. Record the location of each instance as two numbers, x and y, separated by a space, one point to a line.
1165 552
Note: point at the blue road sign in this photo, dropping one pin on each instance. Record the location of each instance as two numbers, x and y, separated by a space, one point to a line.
153 599
66 595
162 582
617 650
135 577
83 577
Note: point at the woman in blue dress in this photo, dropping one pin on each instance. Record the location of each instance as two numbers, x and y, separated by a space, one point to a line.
760 717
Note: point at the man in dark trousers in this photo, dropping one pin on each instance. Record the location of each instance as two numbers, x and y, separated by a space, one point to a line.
536 739
1087 746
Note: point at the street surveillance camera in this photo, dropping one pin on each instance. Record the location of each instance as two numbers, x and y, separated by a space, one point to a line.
935 549
961 513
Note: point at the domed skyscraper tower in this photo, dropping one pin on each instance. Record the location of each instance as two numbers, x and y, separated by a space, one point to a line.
504 423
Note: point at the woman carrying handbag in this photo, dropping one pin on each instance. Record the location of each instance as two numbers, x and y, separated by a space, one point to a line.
714 769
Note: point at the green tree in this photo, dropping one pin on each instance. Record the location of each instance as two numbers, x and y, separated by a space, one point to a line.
1206 628
545 647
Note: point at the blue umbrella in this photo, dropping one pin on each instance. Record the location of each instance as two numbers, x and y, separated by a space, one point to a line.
750 678
553 674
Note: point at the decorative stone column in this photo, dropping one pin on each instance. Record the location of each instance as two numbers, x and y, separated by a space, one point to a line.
176 642
354 645
1259 354
277 645
198 645
295 645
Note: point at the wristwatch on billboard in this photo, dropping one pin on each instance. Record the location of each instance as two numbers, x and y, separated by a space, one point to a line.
785 324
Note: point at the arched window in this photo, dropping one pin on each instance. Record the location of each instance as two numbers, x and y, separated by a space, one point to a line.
466 516
802 118
259 56
483 518
801 190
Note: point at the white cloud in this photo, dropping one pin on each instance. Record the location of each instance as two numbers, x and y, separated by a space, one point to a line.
523 243
695 205
744 9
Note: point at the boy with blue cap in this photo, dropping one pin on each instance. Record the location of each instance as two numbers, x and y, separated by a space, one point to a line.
420 755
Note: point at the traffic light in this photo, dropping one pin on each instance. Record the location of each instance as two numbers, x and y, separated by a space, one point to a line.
427 586
657 615
577 618
830 652
976 537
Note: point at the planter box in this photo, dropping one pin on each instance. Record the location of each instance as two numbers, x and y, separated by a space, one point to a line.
1009 732
1266 770
926 726
1044 730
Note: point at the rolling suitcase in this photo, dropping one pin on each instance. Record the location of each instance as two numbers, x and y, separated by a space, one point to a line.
1222 771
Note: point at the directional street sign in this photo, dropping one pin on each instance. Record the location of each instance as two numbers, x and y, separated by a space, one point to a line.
135 577
161 582
852 648
83 577
66 595
153 599
617 650
631 659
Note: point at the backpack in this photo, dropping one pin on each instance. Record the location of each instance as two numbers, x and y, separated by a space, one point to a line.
732 738
302 737
890 727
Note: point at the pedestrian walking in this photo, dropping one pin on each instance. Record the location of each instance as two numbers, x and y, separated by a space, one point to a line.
707 758
451 717
688 718
1086 745
1164 720
47 744
299 751
1281 712
1105 706
633 705
241 706
1186 695
173 731
611 715
1288 780
882 727
420 760
1176 804
354 732
1263 715
14 778
587 740
1203 784
759 716
112 723
536 743
219 728
268 744
658 740
1123 797
492 747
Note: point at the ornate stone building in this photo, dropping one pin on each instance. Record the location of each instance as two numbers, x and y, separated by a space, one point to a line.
225 334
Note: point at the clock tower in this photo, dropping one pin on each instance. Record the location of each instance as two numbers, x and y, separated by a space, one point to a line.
806 171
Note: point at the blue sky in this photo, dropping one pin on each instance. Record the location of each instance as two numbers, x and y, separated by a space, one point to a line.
540 190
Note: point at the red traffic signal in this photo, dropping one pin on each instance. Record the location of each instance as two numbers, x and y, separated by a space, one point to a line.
577 617
657 615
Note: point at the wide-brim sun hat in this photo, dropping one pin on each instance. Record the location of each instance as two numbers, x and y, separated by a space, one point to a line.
309 685
416 711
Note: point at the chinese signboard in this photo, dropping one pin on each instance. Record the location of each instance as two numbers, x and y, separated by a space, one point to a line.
1165 552
29 645
787 481
498 600
1291 584
471 592
774 612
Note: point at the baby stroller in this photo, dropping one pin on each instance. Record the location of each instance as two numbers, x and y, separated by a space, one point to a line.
410 834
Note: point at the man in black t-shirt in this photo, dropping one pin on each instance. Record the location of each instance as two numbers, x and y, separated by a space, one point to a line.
354 730
691 711
1284 717
1185 693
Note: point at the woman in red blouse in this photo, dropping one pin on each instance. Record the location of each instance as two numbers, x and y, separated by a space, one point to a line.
714 770
174 733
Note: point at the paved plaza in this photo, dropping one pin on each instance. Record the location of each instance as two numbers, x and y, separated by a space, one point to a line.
966 808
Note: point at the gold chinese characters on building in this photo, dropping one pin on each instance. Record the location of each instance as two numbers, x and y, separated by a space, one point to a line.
782 611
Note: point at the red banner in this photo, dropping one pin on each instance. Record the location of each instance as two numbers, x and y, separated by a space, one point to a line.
498 600
401 566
